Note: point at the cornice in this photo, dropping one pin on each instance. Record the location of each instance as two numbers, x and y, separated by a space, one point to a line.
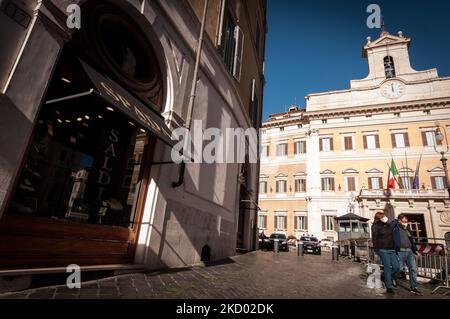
361 111
381 82
380 108
286 121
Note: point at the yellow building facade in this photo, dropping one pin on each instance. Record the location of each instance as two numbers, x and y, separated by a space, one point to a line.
333 157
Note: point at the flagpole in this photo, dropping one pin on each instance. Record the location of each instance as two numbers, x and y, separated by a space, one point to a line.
404 175
399 184
396 180
416 173
407 170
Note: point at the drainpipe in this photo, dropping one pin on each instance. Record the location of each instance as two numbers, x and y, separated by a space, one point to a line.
22 48
192 96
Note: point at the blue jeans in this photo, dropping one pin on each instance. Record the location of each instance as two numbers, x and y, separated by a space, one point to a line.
390 264
408 258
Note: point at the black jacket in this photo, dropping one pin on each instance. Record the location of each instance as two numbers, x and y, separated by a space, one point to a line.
382 236
396 235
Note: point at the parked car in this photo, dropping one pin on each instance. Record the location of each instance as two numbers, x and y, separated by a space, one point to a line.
311 245
282 241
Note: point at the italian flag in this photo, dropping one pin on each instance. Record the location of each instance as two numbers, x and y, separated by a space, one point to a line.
392 173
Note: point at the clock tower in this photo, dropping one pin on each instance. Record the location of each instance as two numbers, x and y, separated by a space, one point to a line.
388 58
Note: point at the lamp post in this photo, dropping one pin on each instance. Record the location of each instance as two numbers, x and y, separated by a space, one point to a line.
440 137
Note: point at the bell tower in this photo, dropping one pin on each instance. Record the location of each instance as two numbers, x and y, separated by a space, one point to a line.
388 57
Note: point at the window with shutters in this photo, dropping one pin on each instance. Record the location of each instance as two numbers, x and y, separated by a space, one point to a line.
253 110
264 151
231 40
371 142
348 143
438 182
400 140
326 144
281 186
282 149
228 45
300 185
262 221
263 187
300 223
351 184
300 147
375 183
238 53
407 182
429 138
281 222
328 184
328 223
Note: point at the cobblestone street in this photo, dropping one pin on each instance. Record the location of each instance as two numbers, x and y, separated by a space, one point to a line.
253 275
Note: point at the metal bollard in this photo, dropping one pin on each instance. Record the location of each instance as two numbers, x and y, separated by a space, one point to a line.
299 248
276 247
335 252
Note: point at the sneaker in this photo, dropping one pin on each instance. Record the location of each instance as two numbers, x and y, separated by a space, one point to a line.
415 291
390 291
394 283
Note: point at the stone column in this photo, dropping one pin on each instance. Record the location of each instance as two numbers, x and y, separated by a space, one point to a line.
434 221
313 182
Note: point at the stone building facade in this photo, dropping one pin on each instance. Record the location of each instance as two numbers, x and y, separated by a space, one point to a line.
333 157
85 120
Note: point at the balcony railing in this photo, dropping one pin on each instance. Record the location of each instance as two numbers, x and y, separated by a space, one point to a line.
415 193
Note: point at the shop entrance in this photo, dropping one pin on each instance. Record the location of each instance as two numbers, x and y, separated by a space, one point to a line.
81 190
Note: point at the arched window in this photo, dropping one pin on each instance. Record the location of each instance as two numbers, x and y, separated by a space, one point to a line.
389 67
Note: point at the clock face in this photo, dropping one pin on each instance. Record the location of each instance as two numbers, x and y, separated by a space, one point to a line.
393 89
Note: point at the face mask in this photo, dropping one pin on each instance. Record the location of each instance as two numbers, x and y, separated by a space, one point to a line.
384 219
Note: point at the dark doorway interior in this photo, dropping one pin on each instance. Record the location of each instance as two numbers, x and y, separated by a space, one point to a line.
241 219
417 226
80 193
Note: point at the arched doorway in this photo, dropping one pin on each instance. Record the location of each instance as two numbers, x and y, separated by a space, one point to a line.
80 193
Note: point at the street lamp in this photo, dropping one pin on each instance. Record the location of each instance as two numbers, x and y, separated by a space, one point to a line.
440 137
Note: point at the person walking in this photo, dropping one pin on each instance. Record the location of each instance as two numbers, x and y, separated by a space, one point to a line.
405 247
383 244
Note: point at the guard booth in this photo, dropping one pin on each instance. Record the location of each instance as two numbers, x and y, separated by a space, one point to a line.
352 232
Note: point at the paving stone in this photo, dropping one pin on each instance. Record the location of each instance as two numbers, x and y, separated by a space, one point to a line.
254 275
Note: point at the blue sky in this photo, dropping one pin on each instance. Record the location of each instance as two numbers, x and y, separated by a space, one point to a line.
316 46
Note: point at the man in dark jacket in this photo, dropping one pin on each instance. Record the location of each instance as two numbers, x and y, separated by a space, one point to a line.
406 249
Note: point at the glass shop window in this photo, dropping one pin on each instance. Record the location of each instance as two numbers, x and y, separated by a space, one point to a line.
85 164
